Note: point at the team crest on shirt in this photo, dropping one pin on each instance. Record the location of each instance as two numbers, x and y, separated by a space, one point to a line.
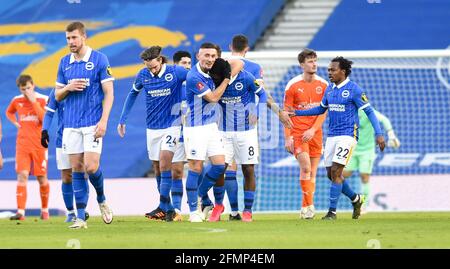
168 77
109 70
89 66
200 86
345 93
364 98
319 90
193 152
239 86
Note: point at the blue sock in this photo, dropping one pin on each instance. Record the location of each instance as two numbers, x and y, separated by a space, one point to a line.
67 192
210 178
80 192
164 191
96 180
249 197
177 193
347 191
192 190
335 192
219 193
158 182
205 198
231 186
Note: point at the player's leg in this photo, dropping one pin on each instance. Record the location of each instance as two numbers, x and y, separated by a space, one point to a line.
63 164
231 188
365 170
207 204
155 166
177 187
39 158
249 191
304 162
165 166
23 168
315 153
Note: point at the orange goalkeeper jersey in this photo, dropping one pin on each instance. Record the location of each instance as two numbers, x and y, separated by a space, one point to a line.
302 95
30 120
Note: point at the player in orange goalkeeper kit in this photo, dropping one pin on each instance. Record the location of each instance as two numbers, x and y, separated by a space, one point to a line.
304 140
31 157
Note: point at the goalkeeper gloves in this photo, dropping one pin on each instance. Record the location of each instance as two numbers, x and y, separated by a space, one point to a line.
393 141
220 70
44 138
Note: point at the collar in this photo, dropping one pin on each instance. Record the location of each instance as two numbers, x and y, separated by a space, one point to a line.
236 57
161 72
200 71
85 58
342 84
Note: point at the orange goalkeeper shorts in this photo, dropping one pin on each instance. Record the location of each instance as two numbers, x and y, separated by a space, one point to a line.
32 160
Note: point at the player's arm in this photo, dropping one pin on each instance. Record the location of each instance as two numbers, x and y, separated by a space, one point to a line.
50 110
11 114
393 141
63 88
315 110
236 66
309 134
288 105
108 90
128 105
362 102
214 96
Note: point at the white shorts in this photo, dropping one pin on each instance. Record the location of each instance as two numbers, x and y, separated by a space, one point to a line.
165 139
79 140
339 149
62 160
242 146
203 141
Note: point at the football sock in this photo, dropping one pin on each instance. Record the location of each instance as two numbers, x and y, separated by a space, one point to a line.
249 197
96 180
192 189
164 196
231 187
177 192
335 192
67 192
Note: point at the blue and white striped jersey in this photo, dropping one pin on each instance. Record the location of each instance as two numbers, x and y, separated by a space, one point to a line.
84 108
238 103
200 112
163 96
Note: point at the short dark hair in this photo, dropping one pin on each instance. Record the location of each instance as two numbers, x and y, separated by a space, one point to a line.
344 64
219 51
306 53
152 53
239 43
180 54
76 25
23 79
209 45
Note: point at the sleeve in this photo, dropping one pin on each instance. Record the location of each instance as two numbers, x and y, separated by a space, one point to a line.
373 120
181 72
384 120
39 108
60 78
48 117
131 99
11 112
197 86
52 104
105 69
259 73
324 102
138 84
360 98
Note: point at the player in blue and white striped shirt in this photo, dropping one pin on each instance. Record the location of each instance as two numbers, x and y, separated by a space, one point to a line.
85 83
343 99
162 84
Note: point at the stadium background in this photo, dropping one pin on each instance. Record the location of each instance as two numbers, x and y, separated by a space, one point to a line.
414 94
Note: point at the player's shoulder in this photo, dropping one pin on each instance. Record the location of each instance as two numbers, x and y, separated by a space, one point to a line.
251 63
294 80
321 80
65 59
41 96
18 98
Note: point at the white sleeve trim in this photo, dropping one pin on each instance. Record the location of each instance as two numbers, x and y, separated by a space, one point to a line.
258 90
49 109
134 88
106 80
60 84
204 93
323 104
364 106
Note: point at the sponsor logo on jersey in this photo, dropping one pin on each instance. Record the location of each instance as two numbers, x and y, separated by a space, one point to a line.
89 66
336 107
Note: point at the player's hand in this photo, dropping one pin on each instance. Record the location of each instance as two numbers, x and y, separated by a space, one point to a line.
285 119
76 85
252 119
227 70
121 130
308 135
380 142
100 129
289 144
44 138
30 95
393 141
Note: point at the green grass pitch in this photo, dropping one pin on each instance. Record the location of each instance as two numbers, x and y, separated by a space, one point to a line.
271 231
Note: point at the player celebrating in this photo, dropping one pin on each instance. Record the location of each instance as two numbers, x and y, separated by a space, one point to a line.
364 155
85 83
31 157
201 133
304 140
343 99
163 85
